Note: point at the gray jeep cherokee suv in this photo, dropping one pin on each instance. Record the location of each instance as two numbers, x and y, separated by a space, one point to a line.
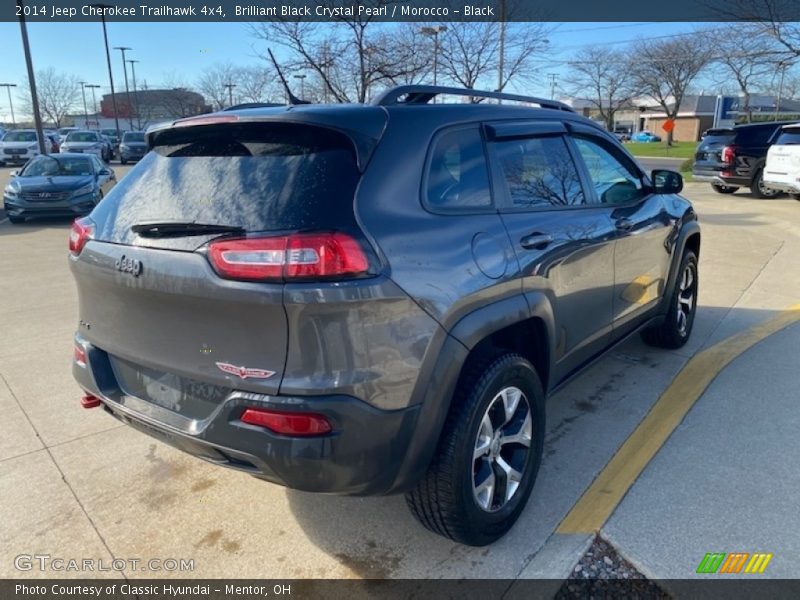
377 298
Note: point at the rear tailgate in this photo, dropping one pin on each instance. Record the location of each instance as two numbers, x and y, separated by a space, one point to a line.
177 318
783 159
176 333
708 154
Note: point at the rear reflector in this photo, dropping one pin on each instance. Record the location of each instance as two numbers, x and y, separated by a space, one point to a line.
287 423
89 401
79 355
82 231
291 257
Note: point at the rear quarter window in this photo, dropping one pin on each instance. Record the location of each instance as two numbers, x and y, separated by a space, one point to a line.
457 176
755 136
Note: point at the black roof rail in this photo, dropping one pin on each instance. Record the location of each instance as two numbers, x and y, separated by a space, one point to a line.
422 94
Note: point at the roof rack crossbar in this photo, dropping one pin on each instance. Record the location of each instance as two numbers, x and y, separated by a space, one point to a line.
422 94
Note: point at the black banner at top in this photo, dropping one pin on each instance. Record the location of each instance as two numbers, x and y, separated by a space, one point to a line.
400 10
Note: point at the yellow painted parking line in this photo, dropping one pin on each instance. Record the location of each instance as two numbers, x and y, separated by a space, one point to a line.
604 494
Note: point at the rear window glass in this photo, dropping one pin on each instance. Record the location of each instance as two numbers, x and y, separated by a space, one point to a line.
133 137
789 137
717 138
261 177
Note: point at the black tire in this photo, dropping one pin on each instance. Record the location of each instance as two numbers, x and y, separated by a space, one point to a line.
446 500
122 161
16 220
723 189
759 191
796 196
674 332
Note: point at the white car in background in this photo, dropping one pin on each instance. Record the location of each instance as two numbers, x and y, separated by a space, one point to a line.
782 170
86 142
18 146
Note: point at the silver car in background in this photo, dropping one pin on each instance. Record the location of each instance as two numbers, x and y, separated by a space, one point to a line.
86 142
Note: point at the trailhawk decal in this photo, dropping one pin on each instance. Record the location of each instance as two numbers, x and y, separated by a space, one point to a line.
245 372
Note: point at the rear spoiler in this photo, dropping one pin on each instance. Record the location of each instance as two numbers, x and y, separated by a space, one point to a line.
372 123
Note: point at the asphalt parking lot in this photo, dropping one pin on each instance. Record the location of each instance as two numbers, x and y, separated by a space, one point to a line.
77 484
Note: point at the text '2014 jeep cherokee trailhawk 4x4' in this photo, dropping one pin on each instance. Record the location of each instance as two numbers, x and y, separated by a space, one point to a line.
377 298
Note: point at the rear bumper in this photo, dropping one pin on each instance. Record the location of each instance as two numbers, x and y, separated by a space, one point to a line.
361 456
790 187
720 179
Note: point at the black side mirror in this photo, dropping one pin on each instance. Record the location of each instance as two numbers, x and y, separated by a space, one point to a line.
666 182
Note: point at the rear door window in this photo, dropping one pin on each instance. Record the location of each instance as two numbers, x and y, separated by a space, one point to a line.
257 176
458 176
539 173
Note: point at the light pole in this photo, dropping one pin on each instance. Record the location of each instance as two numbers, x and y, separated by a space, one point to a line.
85 111
8 87
132 63
553 77
782 65
123 49
302 79
108 62
94 87
37 117
229 86
502 49
434 31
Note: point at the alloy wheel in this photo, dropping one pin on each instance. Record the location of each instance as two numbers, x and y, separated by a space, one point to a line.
686 299
501 449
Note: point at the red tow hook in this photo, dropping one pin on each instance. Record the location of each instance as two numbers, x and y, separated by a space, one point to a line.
89 401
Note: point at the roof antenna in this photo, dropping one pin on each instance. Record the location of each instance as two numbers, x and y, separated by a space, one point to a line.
292 98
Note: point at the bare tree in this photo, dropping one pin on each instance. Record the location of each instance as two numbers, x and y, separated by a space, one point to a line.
470 52
601 75
256 84
348 59
745 53
212 84
664 68
58 95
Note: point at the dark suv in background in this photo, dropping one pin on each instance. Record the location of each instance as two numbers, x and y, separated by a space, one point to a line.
373 299
735 157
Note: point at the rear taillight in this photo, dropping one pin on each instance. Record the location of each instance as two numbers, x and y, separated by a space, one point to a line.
291 257
729 154
82 231
287 423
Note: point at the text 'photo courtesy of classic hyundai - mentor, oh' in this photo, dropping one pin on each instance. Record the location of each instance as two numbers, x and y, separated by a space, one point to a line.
378 298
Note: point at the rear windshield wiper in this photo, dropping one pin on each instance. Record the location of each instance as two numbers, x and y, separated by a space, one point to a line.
177 229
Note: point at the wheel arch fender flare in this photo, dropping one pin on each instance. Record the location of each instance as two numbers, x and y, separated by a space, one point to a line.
689 229
437 385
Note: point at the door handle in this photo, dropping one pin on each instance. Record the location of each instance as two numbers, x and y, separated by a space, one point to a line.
536 241
624 224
